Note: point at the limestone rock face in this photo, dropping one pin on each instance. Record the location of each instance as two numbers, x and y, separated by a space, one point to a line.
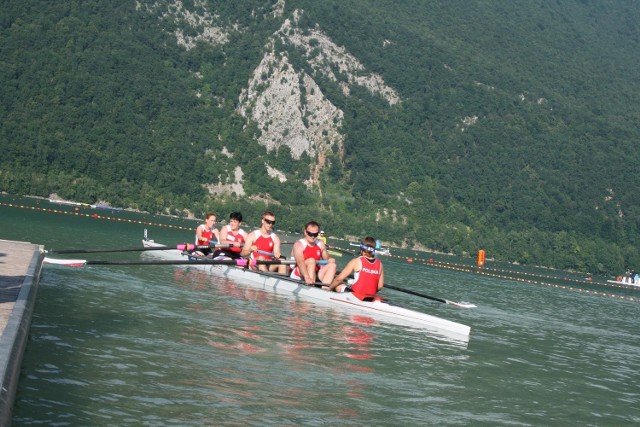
286 103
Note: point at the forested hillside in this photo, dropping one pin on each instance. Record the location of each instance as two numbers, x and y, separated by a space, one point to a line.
454 125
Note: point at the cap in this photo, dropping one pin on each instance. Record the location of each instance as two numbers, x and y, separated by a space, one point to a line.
321 232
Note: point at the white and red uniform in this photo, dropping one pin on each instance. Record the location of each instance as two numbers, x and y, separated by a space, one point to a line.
237 237
263 243
309 251
366 280
208 235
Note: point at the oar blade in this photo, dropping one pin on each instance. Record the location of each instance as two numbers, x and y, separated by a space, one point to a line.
65 262
462 304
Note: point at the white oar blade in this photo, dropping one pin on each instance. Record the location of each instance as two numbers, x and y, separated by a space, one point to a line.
66 262
462 304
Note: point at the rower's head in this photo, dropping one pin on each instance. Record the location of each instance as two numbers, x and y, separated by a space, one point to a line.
268 220
235 219
210 219
311 231
367 247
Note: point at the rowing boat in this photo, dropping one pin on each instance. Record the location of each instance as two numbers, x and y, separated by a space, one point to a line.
347 302
626 281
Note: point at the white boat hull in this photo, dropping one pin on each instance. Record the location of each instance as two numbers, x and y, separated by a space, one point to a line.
625 281
378 310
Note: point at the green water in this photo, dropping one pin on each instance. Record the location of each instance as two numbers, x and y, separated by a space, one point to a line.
159 345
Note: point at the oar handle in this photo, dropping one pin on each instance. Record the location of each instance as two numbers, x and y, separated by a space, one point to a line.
261 252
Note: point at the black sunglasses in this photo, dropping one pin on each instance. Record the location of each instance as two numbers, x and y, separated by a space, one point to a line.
310 234
268 221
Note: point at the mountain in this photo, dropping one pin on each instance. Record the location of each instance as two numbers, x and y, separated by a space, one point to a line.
458 125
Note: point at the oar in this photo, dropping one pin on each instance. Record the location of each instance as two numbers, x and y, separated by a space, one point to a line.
180 247
446 301
344 251
240 262
261 252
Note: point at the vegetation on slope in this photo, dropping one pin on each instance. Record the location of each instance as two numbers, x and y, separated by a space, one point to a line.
515 133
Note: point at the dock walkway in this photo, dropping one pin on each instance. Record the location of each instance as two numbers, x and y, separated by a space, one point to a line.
20 265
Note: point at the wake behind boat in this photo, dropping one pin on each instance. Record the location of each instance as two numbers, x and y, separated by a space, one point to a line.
347 302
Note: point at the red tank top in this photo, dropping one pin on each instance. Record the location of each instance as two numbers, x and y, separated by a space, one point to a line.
208 235
366 282
263 243
309 251
237 237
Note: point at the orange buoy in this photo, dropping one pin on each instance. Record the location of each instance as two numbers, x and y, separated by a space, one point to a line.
480 257
409 259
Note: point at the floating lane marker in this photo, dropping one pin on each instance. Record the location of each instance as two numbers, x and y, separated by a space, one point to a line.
93 215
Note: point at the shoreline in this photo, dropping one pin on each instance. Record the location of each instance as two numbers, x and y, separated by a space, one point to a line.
54 198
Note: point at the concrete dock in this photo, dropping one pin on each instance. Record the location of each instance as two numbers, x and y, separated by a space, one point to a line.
20 265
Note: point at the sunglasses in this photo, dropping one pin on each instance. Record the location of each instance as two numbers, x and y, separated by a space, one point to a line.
310 234
268 221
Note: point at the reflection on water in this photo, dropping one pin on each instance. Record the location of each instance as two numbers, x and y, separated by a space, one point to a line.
201 343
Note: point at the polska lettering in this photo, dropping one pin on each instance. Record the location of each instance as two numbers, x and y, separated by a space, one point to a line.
370 270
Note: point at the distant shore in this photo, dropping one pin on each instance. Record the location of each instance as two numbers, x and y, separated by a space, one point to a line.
55 198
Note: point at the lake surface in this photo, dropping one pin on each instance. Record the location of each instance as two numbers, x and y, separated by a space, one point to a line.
170 346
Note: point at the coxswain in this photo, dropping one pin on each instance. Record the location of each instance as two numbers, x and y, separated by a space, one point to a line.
322 237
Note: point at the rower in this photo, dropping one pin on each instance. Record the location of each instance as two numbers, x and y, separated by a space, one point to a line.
308 252
367 271
233 236
264 244
207 234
